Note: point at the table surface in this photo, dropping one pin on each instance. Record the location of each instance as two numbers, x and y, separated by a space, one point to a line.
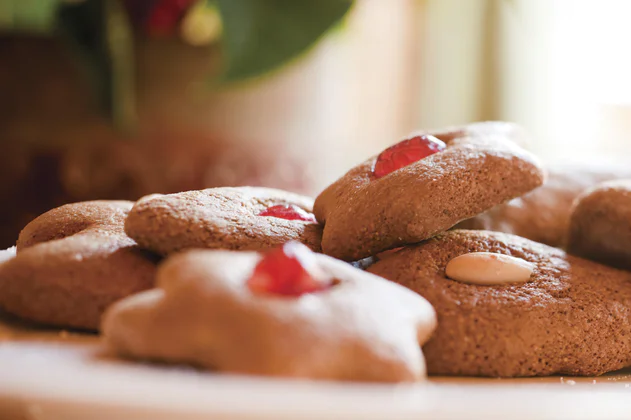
48 374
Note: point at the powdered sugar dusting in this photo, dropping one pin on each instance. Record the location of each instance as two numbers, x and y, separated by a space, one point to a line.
7 254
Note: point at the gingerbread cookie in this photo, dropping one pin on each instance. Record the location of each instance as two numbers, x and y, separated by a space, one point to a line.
73 262
543 215
422 186
600 224
289 313
531 311
241 218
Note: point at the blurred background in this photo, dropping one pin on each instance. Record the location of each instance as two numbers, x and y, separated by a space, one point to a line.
122 98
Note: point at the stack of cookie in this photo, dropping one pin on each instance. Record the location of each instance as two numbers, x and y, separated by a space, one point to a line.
236 280
544 214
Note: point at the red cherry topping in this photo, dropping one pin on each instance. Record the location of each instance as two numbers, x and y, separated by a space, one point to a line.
406 152
289 212
290 270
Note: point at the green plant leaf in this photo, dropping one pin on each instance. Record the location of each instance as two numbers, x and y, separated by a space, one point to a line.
120 52
261 35
99 33
29 16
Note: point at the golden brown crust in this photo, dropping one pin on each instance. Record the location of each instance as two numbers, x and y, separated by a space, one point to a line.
479 169
72 263
219 218
600 224
543 215
573 317
202 313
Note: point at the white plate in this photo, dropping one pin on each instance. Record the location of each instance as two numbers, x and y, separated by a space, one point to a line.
45 374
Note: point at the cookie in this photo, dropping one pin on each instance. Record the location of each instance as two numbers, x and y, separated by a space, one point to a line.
241 218
570 316
376 207
289 312
600 224
543 215
72 263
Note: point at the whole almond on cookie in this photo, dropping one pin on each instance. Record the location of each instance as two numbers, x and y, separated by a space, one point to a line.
573 316
488 268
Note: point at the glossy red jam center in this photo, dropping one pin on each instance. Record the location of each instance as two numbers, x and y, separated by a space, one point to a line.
406 152
289 212
290 270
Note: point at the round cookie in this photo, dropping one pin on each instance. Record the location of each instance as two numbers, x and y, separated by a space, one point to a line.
600 224
72 263
205 313
572 316
480 168
543 215
220 218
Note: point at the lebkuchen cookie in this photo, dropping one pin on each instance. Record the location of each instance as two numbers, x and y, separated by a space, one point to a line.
543 215
288 312
422 186
510 307
72 263
235 218
600 224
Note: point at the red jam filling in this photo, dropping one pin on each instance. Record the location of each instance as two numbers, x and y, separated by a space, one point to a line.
406 152
289 212
289 270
